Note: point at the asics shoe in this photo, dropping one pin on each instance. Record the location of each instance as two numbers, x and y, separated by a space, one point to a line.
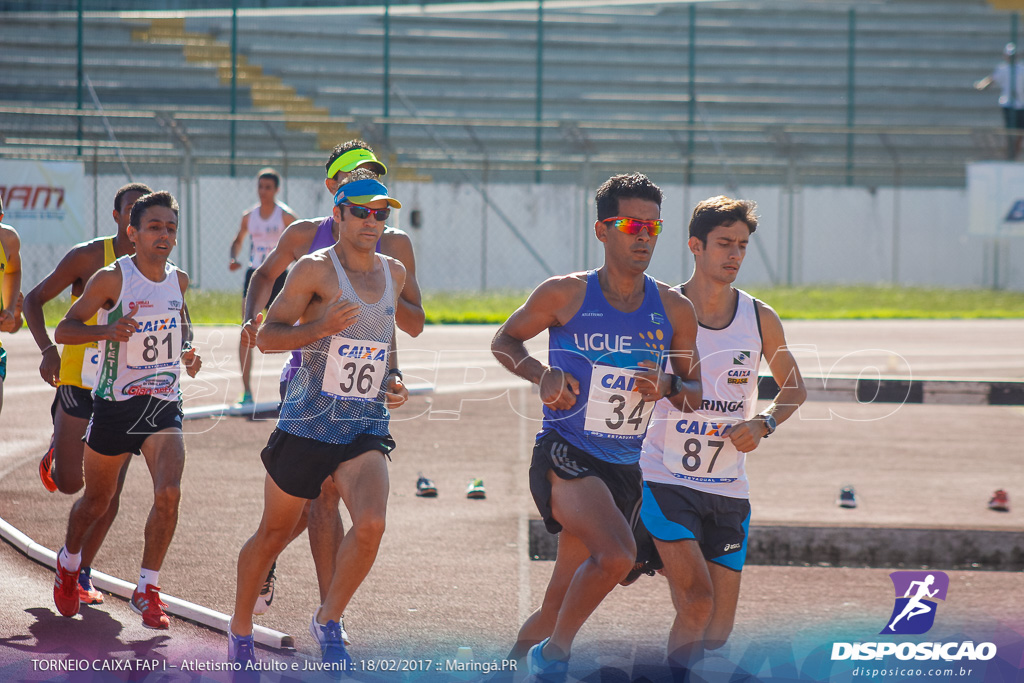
1000 501
87 593
46 470
65 591
244 400
266 593
475 490
332 647
545 670
150 606
425 488
847 498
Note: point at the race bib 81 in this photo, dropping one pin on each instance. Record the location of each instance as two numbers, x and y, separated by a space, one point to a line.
156 342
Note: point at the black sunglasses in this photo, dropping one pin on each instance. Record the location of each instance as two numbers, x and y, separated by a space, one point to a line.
362 212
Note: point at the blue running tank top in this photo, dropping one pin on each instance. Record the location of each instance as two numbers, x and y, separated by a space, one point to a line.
602 347
338 392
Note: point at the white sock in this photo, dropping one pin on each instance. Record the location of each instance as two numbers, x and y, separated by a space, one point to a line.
70 562
148 577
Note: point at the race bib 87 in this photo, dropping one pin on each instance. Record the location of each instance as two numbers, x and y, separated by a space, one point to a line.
356 368
614 407
697 449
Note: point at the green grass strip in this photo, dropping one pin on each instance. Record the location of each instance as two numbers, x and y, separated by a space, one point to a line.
792 303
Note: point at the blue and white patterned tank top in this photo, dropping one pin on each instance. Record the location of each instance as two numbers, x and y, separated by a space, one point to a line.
338 392
602 347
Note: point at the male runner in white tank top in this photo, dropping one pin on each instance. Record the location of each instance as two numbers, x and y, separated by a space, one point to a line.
264 223
72 370
143 331
695 500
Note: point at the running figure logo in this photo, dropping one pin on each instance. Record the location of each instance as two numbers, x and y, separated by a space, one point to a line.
914 612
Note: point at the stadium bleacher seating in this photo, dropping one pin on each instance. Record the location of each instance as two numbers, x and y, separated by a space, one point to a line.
771 81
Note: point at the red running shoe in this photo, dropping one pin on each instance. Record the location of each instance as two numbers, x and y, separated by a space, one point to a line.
149 605
1000 501
65 591
46 470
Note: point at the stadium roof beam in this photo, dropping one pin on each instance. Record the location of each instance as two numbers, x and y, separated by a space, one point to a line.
403 10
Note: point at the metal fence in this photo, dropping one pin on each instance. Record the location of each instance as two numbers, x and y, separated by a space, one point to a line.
514 116
866 95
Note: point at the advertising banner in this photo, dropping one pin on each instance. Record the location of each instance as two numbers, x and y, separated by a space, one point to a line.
44 200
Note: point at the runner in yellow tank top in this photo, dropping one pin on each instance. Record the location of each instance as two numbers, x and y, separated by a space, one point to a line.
61 467
78 362
10 290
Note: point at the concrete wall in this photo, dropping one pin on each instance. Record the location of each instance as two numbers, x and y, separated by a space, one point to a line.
811 236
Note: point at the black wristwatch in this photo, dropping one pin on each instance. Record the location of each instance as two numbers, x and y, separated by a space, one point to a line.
769 424
675 386
396 371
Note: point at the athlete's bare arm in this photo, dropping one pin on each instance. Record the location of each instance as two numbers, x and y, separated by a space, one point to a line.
190 358
683 356
552 304
10 318
747 435
396 392
310 297
102 291
294 244
73 271
236 245
409 309
399 277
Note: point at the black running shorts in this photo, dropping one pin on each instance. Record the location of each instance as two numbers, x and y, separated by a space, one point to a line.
299 465
118 427
553 453
278 285
72 400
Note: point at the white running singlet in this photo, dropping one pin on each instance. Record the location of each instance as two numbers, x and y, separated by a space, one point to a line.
148 364
265 232
688 449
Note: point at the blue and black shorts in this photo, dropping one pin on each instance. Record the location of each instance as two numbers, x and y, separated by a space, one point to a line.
719 524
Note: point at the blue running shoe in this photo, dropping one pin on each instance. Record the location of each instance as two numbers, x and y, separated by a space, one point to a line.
332 647
242 651
545 670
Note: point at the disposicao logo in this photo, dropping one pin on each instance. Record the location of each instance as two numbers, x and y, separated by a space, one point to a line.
916 595
912 614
